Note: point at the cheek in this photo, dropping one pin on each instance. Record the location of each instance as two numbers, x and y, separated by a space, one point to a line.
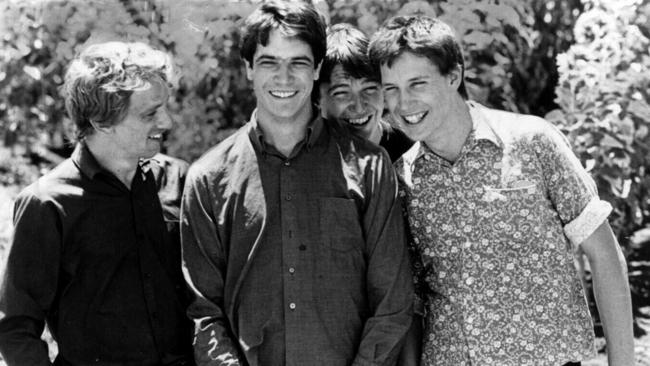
377 102
390 102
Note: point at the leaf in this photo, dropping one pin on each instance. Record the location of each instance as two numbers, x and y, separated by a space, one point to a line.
640 109
479 39
610 142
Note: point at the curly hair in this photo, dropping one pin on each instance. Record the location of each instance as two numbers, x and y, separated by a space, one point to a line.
100 81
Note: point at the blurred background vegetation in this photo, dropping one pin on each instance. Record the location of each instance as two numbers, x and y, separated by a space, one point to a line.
583 64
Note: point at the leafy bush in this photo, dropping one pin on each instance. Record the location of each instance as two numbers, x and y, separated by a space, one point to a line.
604 99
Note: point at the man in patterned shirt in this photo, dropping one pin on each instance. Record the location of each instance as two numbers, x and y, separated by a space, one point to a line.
497 203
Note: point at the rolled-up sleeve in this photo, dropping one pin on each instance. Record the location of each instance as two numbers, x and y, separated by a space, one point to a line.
204 264
389 280
571 189
29 282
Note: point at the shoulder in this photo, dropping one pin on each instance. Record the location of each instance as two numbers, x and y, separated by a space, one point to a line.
513 127
224 155
62 181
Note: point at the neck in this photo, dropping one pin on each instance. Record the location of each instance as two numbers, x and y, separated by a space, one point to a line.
284 133
110 159
449 140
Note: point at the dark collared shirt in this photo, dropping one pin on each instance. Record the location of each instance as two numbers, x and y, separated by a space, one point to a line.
100 264
394 141
296 260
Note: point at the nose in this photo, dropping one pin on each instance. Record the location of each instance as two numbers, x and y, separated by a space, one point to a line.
283 73
403 100
357 105
165 120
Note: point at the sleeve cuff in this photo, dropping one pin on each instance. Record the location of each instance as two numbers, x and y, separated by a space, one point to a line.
591 217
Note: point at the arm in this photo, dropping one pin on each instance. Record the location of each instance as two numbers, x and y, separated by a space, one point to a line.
29 282
389 283
204 264
609 274
584 216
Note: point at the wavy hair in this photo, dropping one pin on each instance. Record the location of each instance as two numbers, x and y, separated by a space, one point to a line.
100 81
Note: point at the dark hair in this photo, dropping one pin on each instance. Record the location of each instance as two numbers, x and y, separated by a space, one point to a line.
420 35
348 46
294 19
100 81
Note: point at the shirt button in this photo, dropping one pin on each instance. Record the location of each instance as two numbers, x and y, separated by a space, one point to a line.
287 163
292 270
288 197
292 306
302 247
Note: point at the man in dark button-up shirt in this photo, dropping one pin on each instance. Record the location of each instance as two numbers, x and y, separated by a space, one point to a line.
96 252
292 238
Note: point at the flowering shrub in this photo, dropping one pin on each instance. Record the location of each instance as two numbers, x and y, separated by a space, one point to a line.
604 98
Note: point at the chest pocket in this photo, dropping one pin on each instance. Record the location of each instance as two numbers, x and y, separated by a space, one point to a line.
340 224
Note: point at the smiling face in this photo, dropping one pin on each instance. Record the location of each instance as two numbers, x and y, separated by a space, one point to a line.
140 133
418 97
358 103
283 74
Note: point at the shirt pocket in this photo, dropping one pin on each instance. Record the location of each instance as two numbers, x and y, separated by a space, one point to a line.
340 226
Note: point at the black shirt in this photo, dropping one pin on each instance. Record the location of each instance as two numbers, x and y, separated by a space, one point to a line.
100 263
394 141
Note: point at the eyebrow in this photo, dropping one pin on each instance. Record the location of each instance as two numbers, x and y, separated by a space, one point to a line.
336 86
275 58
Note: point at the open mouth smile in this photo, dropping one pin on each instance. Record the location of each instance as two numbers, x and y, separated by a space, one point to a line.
359 121
283 94
415 117
156 137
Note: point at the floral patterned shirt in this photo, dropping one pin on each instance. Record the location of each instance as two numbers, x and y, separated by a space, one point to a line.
493 236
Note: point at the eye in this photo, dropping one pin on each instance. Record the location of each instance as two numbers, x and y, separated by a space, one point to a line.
371 90
389 89
418 84
266 63
301 63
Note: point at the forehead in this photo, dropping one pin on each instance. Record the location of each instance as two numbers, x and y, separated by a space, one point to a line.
408 65
283 47
340 76
157 93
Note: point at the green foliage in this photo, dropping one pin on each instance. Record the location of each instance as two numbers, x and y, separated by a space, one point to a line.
604 99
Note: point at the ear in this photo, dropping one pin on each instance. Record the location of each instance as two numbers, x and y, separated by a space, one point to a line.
455 77
317 73
102 129
249 71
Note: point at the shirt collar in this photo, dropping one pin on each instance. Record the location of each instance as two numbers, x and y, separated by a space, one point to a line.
481 130
314 129
481 126
85 161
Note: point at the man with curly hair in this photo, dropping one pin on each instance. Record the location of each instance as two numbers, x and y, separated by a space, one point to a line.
96 254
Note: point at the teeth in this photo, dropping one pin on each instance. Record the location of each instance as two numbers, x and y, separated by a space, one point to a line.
359 121
283 94
156 136
414 118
